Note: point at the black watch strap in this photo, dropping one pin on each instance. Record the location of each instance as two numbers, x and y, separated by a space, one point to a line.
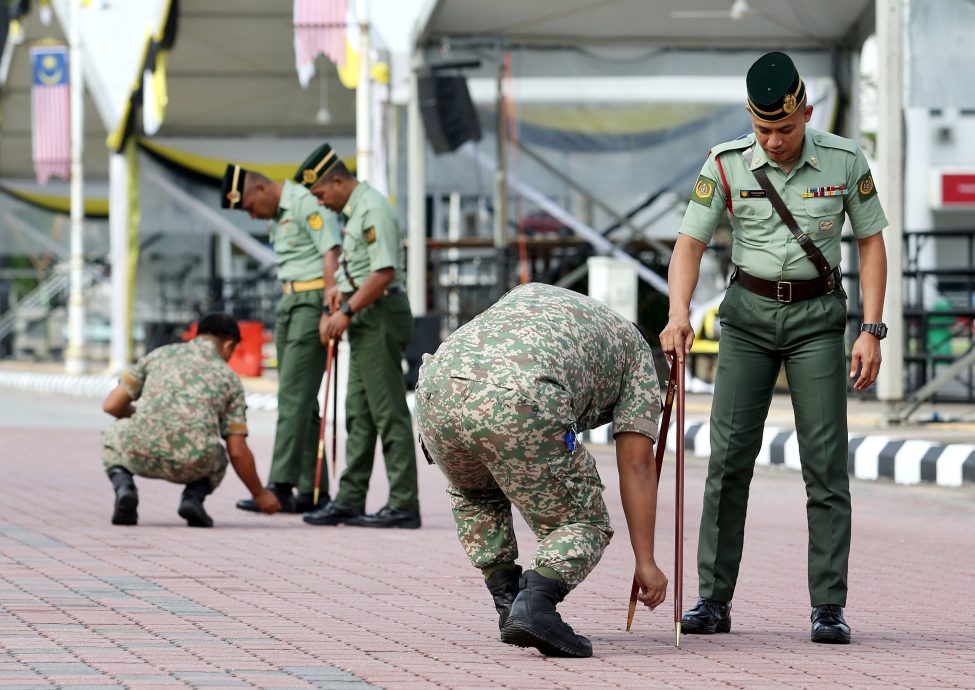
346 309
879 330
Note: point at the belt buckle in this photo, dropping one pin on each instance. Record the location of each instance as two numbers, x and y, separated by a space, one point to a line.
778 291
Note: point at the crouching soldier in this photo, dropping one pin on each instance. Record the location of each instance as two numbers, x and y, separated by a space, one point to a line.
190 399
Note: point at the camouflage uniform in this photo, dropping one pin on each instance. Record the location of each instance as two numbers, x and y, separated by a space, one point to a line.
190 399
493 406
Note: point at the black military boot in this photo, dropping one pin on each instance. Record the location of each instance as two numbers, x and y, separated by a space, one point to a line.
828 625
126 497
191 504
707 617
503 585
285 494
534 622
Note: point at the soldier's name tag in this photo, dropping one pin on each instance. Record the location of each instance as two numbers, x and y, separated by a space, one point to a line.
370 235
752 194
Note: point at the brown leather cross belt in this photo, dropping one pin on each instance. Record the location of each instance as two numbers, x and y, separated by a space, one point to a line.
787 291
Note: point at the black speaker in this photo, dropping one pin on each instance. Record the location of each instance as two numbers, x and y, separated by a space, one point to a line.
448 112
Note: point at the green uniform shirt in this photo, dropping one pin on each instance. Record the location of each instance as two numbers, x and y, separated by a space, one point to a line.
302 232
190 399
372 239
763 245
551 342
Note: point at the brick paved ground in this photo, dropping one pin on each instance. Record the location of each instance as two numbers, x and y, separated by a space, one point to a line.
273 603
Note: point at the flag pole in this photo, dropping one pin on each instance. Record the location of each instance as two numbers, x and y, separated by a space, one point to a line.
74 360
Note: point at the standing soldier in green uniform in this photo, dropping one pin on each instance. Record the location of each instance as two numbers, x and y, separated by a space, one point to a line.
370 302
190 399
302 234
499 407
785 305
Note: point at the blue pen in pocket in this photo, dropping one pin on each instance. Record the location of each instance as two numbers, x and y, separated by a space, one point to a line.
570 438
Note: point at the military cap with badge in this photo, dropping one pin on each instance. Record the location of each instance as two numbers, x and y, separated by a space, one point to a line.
232 188
775 89
316 166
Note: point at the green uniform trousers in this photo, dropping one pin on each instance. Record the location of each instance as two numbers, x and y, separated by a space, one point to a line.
375 403
758 335
301 365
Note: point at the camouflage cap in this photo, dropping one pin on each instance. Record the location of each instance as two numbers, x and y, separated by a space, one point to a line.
775 90
232 188
316 166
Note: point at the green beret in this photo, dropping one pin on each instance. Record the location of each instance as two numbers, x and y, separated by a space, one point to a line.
232 189
774 87
316 166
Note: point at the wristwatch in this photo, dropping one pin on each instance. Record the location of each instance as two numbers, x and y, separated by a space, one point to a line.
346 309
876 329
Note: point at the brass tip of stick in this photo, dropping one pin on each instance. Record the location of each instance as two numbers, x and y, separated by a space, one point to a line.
315 499
677 630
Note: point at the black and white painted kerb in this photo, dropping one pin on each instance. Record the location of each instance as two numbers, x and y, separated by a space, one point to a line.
870 457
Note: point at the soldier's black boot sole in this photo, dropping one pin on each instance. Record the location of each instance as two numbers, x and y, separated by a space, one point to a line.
523 634
126 506
692 626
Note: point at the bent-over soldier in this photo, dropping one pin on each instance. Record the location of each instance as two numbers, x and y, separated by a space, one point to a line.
499 409
189 400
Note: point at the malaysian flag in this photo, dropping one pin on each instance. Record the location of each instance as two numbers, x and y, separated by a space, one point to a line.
50 112
319 28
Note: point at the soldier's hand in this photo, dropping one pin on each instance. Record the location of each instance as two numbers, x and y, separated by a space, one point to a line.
865 356
333 299
267 502
334 327
653 584
677 337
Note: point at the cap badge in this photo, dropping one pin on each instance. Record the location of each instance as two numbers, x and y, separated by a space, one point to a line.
309 176
788 103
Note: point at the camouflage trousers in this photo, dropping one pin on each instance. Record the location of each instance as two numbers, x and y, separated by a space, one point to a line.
498 448
209 462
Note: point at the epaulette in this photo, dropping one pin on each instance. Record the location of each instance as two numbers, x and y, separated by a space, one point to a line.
834 141
734 145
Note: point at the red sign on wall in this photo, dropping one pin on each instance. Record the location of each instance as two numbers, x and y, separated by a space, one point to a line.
958 189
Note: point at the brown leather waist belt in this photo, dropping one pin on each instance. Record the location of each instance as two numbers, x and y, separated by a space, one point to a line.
787 291
398 290
290 287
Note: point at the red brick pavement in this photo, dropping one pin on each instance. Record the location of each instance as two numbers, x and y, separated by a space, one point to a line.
272 603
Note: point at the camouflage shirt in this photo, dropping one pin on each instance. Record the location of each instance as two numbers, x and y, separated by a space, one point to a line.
190 398
548 342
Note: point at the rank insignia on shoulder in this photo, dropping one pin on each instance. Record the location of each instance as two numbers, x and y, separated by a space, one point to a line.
865 187
703 191
315 221
752 194
370 235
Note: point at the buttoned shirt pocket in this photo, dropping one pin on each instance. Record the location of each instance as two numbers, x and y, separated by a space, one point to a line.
754 221
824 214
